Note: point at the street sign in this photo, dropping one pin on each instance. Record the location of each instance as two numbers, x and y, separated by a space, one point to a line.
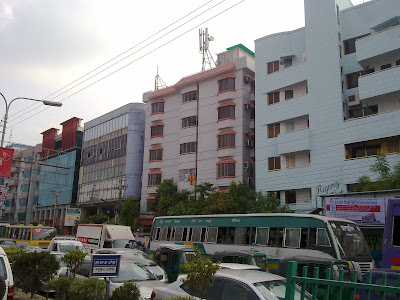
105 265
71 216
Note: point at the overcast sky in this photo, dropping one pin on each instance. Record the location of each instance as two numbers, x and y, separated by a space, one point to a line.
47 44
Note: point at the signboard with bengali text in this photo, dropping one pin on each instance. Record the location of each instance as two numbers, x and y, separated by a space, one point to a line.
105 265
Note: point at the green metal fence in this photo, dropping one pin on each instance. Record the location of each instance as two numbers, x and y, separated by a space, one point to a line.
324 289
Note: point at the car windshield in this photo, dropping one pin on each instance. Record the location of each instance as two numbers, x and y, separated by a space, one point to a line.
69 247
276 288
141 258
130 271
351 241
43 234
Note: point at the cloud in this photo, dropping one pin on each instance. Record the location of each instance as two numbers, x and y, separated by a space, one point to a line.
6 14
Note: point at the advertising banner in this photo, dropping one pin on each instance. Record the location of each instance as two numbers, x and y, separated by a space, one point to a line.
365 210
6 157
3 194
71 216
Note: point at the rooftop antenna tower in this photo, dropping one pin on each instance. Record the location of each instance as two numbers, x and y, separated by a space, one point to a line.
158 82
204 40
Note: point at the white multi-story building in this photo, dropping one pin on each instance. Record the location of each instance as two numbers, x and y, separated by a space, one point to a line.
201 129
328 99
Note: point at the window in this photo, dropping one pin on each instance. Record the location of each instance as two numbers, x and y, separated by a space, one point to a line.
184 174
273 98
155 155
363 111
352 78
154 179
349 46
226 169
157 107
290 197
274 163
322 238
187 148
396 231
226 84
189 122
262 236
288 94
157 130
190 96
226 112
273 66
362 149
287 62
292 237
226 140
398 62
212 234
387 66
274 130
290 161
393 147
352 98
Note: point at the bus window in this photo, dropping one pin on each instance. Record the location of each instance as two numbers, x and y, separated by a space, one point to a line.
396 231
190 233
212 234
292 237
169 231
13 233
196 235
262 236
221 237
185 232
8 232
164 232
21 233
322 238
203 234
240 236
304 238
273 237
178 234
157 234
173 234
251 236
230 237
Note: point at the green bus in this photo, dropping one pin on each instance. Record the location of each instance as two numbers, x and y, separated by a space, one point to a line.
278 236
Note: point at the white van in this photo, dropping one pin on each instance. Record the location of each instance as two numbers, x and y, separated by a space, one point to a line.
6 273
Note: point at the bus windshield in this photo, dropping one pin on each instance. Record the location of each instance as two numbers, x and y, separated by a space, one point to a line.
46 234
352 244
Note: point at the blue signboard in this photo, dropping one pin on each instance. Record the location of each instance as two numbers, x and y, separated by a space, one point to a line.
105 265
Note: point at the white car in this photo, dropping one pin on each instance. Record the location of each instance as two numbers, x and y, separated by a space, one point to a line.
6 273
138 256
237 266
232 284
64 245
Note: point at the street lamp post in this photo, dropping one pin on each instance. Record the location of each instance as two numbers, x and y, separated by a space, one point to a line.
45 102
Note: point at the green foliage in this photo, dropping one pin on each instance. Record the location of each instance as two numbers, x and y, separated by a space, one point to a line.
94 219
130 213
13 252
387 178
60 285
128 291
242 199
87 289
73 259
33 268
200 273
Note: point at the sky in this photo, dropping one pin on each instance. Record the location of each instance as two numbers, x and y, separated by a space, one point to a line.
47 47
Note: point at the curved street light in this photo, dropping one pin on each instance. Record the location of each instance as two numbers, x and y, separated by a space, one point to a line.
45 102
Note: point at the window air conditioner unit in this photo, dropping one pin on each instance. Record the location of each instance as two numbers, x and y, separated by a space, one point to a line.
247 106
354 100
247 79
249 142
281 61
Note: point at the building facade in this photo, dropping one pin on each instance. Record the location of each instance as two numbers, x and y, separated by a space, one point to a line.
202 128
59 171
19 184
112 160
328 100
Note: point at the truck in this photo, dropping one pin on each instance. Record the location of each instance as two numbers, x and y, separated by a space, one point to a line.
96 236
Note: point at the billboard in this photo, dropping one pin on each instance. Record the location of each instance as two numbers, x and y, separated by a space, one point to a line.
6 157
363 210
71 216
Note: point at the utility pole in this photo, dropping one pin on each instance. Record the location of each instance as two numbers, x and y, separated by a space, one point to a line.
55 207
120 187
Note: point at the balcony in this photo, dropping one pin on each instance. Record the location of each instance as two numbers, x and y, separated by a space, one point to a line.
294 141
287 76
372 47
379 83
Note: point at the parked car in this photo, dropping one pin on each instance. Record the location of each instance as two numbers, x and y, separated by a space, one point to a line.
376 278
170 257
64 245
63 270
129 271
236 266
232 284
7 242
140 257
248 257
6 273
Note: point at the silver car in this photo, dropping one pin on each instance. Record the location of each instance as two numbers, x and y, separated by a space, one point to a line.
140 257
232 284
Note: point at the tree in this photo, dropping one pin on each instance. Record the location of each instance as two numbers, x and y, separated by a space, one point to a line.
73 259
130 213
34 268
94 219
87 289
200 273
386 177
